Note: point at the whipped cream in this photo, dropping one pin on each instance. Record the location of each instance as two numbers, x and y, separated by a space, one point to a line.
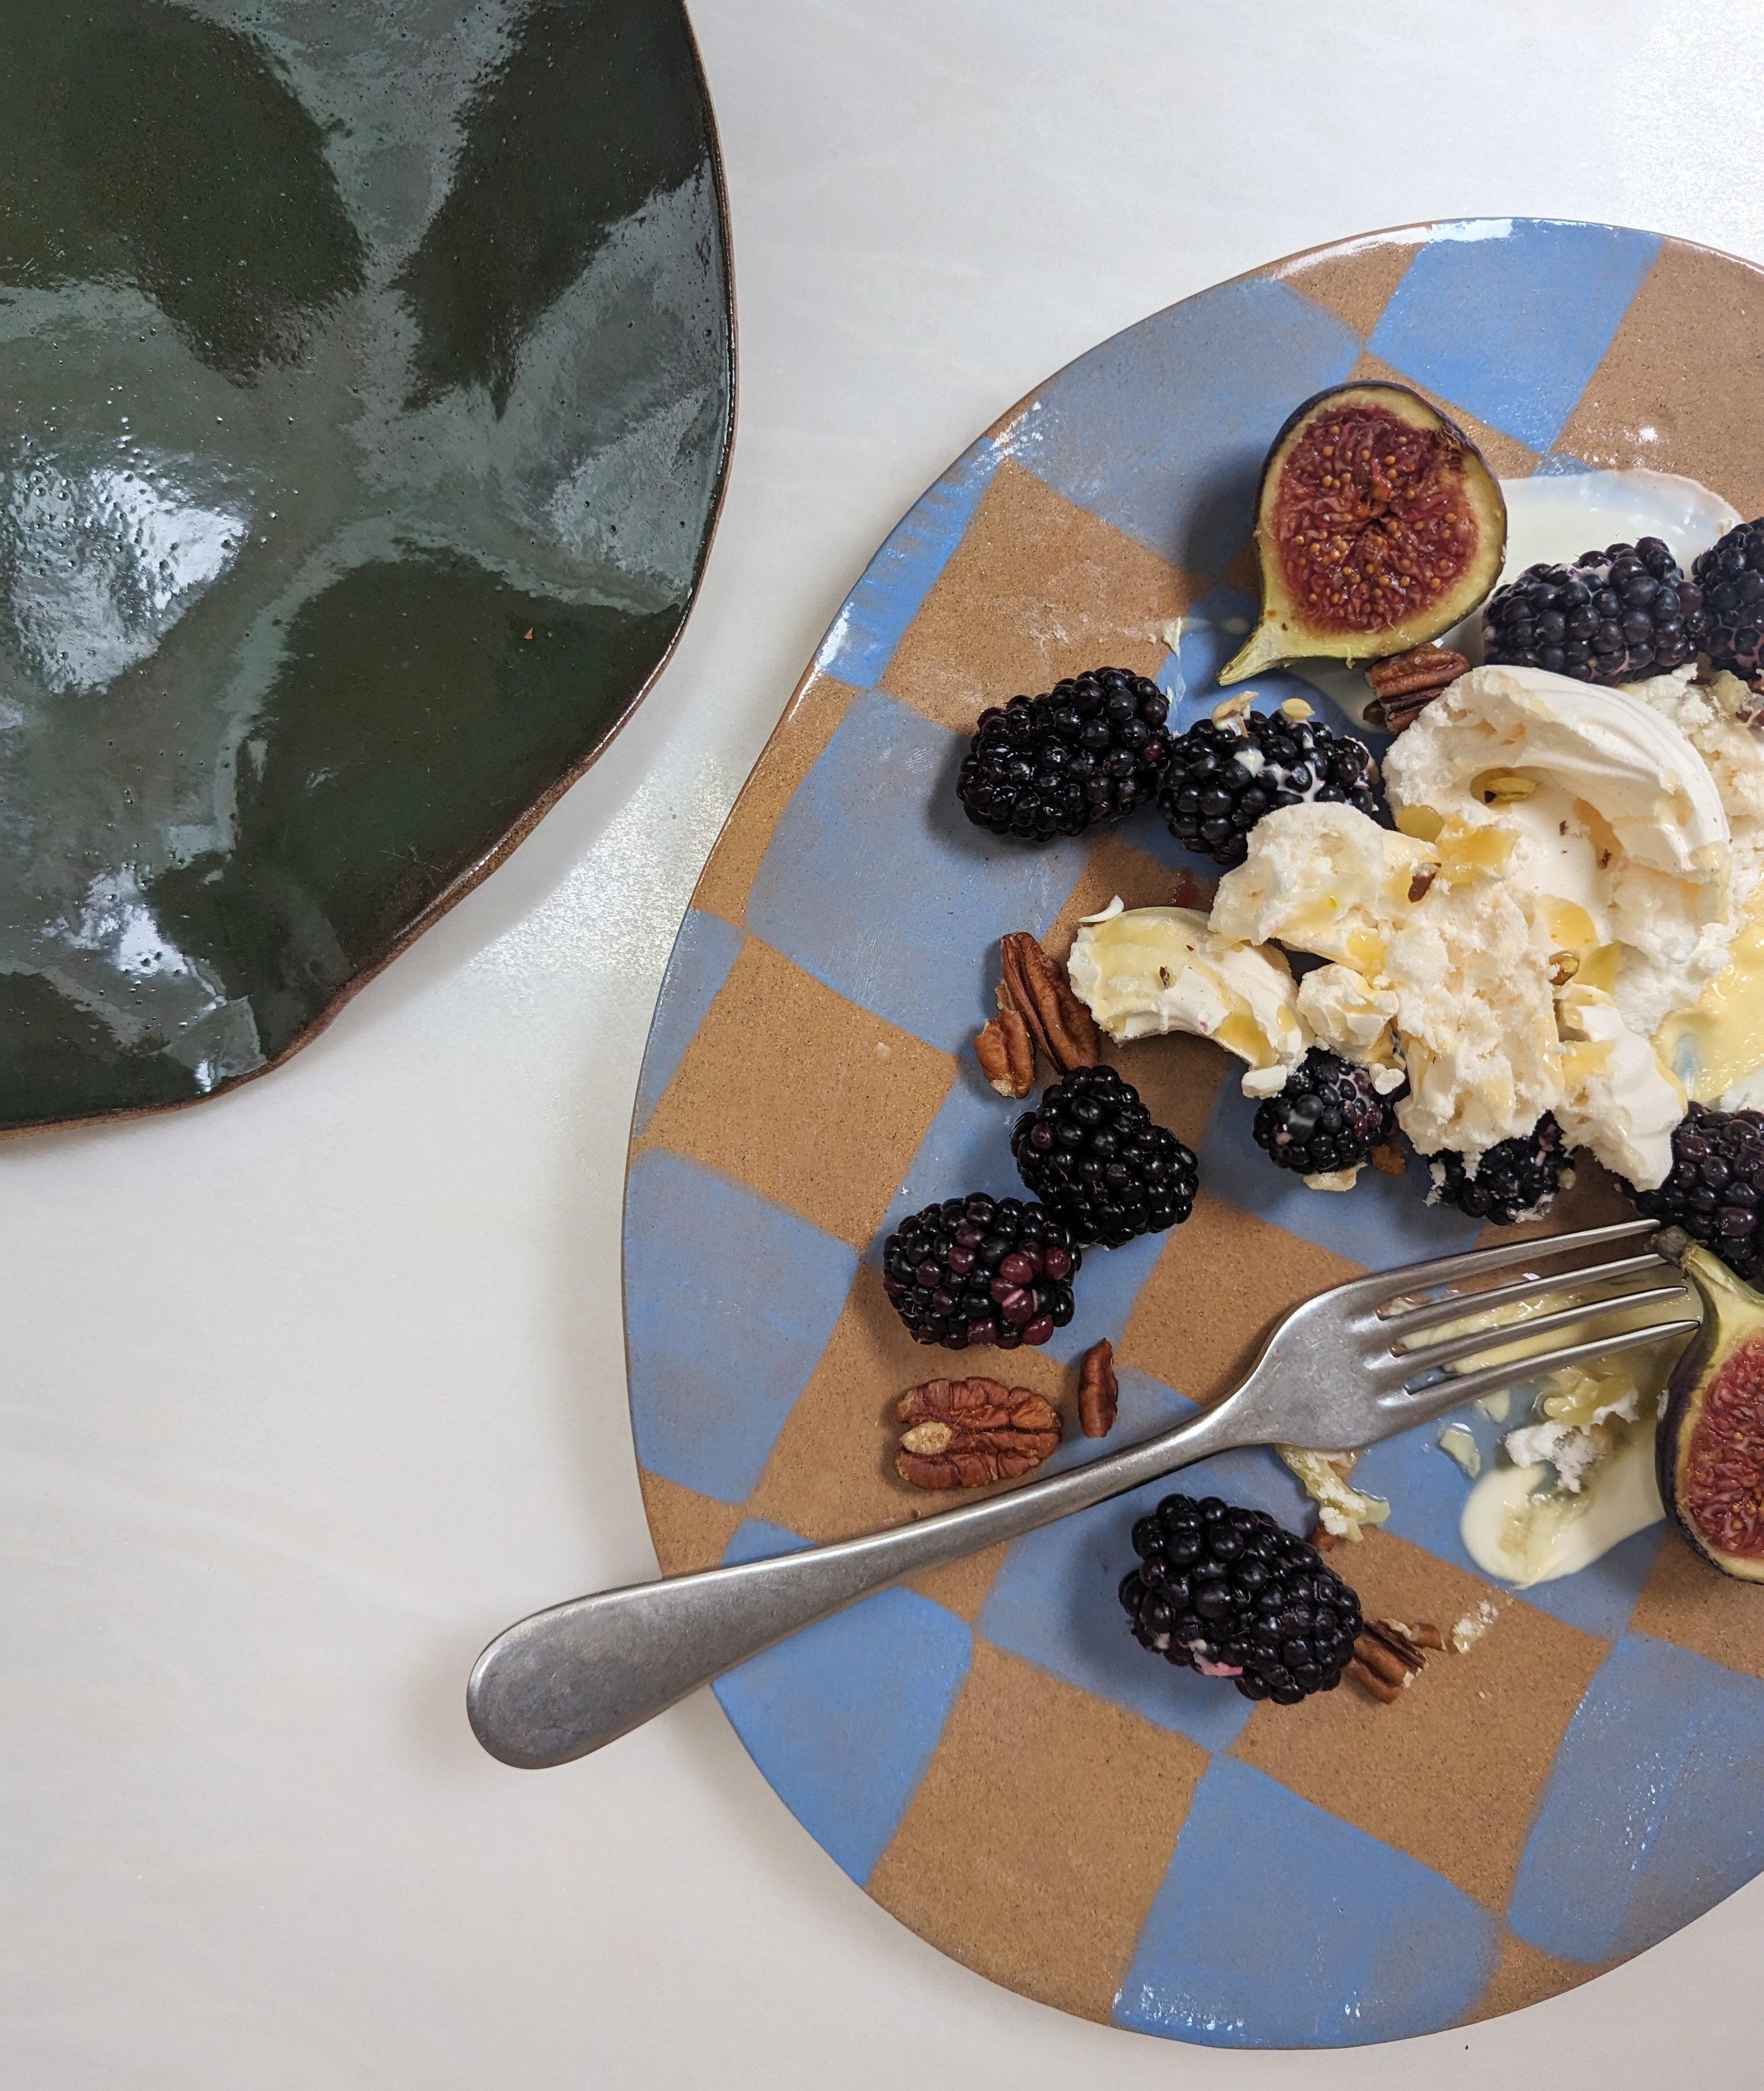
1616 1099
1717 1043
1147 971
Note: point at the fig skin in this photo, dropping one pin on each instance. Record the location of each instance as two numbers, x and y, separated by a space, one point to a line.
1732 1332
1282 633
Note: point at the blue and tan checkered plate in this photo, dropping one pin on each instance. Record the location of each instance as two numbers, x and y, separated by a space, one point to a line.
986 1752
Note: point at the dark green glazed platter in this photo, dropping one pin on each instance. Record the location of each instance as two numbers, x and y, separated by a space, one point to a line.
367 387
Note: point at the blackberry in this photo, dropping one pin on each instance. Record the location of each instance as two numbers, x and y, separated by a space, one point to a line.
1731 575
1224 774
978 1270
1611 616
1230 1593
1091 750
1092 1155
1716 1192
1517 1179
1327 1117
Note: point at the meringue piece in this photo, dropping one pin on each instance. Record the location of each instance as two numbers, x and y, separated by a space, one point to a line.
1341 1509
1323 878
1616 1098
1626 821
1144 972
1475 1020
1345 1012
1574 1453
1711 713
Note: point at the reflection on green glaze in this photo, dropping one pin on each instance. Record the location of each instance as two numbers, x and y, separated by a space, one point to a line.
144 143
356 820
342 349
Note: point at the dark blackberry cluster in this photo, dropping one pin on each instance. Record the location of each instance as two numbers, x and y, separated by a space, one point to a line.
1327 1117
1731 575
1223 776
1091 750
1716 1192
1517 1180
1230 1591
1612 617
978 1270
1092 1155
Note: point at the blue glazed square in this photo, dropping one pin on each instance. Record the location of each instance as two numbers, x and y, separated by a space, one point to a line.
728 1302
1654 1807
966 1147
872 619
1162 431
915 944
1509 319
842 1717
1054 1601
1277 1925
704 952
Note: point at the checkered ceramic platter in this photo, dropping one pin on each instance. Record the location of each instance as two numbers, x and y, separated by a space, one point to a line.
986 1752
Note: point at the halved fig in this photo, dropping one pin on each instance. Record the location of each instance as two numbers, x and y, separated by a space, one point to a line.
1377 527
1708 1451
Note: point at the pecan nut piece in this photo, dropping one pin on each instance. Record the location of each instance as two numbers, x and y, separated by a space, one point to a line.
1099 1392
1036 986
1386 1659
1007 1054
1405 684
964 1433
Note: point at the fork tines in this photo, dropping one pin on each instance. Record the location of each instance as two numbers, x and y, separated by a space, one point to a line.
1402 1306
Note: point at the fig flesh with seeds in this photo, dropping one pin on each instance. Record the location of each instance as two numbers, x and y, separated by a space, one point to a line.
1379 527
1709 1450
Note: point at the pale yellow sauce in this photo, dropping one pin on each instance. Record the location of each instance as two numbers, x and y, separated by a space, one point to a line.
1716 1043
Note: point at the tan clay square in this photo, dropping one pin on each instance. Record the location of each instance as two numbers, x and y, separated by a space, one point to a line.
1525 1975
690 1531
1452 1772
1678 389
810 721
1039 1834
1222 1280
1687 1601
825 1128
1354 284
1037 588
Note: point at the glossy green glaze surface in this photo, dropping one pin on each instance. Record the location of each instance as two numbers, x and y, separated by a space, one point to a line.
367 382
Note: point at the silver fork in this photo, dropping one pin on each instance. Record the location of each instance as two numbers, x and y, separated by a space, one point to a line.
1341 1370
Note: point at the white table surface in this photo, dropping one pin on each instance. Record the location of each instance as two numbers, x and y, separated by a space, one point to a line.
309 1390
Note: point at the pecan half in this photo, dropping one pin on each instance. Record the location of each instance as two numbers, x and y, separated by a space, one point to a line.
964 1433
1099 1392
1007 1054
1386 1659
1404 684
1036 986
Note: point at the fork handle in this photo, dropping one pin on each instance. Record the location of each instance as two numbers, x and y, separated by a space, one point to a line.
564 1681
